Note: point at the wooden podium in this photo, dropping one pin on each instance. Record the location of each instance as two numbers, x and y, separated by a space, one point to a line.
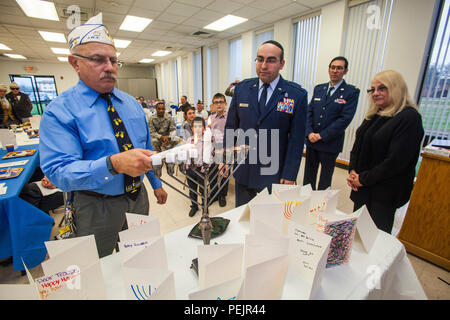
426 229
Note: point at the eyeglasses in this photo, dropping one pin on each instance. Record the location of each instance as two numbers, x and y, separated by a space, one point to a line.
101 60
380 89
218 102
338 68
14 88
270 60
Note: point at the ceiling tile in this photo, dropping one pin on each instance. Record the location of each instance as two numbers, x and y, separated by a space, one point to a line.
157 5
170 17
269 5
104 6
314 3
182 9
249 12
197 3
291 10
144 13
225 7
207 15
268 18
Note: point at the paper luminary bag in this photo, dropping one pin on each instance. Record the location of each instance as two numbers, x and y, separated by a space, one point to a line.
262 248
140 227
366 228
149 284
224 291
267 218
342 228
265 280
260 197
308 253
75 263
219 263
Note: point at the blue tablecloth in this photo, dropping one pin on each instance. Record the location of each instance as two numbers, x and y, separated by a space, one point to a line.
23 227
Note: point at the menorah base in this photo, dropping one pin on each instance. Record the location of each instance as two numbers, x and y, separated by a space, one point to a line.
219 225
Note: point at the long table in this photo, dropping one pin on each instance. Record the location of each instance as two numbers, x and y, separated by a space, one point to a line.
350 281
23 227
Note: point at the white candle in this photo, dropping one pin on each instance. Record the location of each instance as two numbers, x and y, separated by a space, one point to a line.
156 160
170 157
207 147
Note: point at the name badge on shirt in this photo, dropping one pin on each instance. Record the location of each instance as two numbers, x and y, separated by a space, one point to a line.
243 105
317 99
287 105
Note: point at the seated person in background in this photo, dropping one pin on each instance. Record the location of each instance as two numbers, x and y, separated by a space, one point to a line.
200 111
32 193
142 102
184 104
189 116
198 128
7 113
217 129
162 129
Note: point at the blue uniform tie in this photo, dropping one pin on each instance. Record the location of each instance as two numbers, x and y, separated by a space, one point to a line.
329 93
263 98
131 185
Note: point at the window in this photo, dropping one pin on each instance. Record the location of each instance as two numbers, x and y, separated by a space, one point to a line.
198 77
235 60
212 74
258 40
364 47
434 102
306 50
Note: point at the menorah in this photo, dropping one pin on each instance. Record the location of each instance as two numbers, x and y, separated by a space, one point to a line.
212 177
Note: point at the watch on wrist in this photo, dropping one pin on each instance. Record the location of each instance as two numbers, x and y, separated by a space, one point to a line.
110 166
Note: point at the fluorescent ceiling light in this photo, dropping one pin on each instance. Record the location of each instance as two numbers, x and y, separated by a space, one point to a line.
146 60
60 50
53 36
161 53
225 23
3 47
14 56
63 59
39 9
121 43
136 24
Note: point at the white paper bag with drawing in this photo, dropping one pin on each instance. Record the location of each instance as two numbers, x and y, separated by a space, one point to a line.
219 263
267 218
134 220
148 284
308 254
67 259
152 255
366 228
261 248
224 291
144 230
265 280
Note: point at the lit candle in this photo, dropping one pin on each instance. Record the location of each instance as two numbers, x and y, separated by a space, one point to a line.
207 146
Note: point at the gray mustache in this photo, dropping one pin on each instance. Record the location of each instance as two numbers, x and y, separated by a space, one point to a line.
108 75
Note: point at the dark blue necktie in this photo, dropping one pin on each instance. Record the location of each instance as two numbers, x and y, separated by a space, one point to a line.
131 185
329 93
263 98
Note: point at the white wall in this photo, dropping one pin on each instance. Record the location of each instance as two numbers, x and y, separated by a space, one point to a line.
247 55
406 45
283 33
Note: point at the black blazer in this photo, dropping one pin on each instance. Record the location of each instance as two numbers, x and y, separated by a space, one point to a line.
385 155
21 107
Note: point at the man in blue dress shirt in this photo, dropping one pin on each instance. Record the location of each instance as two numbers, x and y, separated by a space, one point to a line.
330 111
271 112
80 147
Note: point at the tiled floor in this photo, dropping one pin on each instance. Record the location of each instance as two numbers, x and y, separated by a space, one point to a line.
174 215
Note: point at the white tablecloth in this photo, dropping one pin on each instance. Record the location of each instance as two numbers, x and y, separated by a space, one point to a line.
353 280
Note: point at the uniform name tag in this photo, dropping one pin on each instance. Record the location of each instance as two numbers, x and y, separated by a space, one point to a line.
243 105
287 105
317 99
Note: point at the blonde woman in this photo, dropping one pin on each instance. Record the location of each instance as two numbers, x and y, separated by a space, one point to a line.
386 149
